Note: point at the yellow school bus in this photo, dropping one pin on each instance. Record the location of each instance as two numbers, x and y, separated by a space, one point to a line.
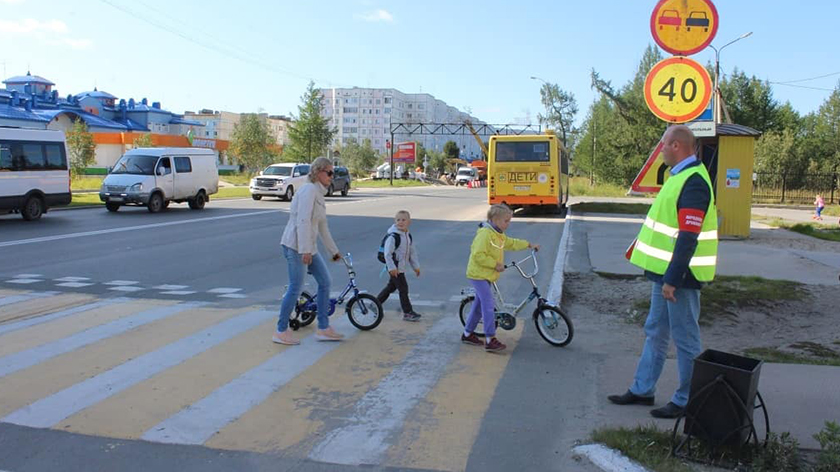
528 171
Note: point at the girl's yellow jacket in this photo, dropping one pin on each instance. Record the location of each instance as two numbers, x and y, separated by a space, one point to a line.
487 250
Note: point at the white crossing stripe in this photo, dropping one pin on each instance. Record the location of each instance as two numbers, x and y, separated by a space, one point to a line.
48 411
75 284
25 297
8 328
179 292
28 276
24 281
122 282
126 288
233 295
378 416
224 290
196 423
72 279
171 287
23 359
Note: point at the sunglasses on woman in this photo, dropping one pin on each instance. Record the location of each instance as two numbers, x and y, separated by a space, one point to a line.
329 173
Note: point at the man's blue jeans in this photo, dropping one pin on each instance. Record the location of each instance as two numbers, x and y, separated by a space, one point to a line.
669 319
318 269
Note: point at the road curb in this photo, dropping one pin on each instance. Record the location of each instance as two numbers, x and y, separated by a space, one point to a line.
607 459
555 286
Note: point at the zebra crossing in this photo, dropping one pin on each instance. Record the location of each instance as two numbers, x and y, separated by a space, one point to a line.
192 373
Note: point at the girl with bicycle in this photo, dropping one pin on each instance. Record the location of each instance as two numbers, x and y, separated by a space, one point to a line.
487 261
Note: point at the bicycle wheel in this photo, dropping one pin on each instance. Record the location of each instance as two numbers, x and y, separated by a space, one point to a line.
364 311
553 325
306 309
464 313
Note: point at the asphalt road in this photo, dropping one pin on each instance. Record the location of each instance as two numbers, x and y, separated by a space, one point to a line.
97 396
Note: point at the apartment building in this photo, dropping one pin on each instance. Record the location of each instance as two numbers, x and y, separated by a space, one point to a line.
367 113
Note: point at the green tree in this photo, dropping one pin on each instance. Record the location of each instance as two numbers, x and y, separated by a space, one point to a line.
81 147
451 150
252 142
310 134
750 102
827 132
359 158
560 109
144 141
776 151
437 161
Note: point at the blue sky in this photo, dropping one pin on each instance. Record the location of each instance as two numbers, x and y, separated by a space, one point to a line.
254 55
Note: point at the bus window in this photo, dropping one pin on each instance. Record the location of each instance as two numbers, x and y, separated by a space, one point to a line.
522 151
56 160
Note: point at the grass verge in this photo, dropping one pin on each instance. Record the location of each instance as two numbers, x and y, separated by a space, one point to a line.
87 199
816 231
86 182
579 186
813 354
646 445
611 207
727 294
383 183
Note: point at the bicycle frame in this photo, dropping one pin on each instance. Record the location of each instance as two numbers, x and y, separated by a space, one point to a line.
535 291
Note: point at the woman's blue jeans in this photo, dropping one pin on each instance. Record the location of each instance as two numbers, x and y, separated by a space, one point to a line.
665 320
318 269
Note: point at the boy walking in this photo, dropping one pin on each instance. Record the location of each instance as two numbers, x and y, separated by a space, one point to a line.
399 253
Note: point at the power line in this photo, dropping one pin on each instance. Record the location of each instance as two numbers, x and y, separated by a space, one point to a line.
805 80
206 45
802 86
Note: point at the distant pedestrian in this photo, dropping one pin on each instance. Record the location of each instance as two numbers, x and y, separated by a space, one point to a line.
308 221
487 261
677 248
398 253
820 205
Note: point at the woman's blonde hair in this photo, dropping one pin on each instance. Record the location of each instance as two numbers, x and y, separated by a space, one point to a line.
317 166
498 210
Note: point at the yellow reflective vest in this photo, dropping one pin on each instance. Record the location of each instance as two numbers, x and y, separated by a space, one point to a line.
655 243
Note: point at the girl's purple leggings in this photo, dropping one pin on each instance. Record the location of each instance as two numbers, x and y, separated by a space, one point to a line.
482 308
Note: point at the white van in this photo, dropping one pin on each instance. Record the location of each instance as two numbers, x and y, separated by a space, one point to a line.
34 174
466 175
155 177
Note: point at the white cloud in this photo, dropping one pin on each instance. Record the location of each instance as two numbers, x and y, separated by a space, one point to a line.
53 32
376 15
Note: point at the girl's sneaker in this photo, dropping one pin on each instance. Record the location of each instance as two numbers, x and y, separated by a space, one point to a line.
494 345
284 338
472 339
328 334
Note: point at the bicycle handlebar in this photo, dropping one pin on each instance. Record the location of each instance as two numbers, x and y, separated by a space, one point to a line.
348 261
522 272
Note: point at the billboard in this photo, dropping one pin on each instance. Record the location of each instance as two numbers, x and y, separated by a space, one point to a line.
405 152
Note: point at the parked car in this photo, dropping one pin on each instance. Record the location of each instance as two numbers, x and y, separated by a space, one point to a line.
155 177
340 182
278 180
465 176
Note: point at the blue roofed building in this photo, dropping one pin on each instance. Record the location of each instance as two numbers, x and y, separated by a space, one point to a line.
30 101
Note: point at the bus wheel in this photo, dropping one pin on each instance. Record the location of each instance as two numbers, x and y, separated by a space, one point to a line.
32 208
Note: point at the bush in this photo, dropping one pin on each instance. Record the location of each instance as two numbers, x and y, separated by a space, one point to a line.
829 439
780 454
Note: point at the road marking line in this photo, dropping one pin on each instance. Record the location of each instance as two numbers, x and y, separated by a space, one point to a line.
126 288
8 328
122 282
179 292
129 228
72 279
74 284
198 422
48 411
607 459
555 287
377 416
28 276
171 287
233 295
24 281
224 290
25 297
21 360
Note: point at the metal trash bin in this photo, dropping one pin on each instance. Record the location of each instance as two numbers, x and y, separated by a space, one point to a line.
722 398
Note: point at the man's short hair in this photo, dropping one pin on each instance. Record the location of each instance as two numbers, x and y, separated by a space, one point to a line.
684 135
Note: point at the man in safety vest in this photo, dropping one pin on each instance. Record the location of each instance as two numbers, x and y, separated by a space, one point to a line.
677 248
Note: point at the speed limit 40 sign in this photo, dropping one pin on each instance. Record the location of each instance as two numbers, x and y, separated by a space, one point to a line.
678 89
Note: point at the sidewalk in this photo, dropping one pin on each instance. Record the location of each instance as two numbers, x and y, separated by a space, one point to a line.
800 398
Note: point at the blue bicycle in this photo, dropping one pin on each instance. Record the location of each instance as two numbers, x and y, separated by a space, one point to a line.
363 309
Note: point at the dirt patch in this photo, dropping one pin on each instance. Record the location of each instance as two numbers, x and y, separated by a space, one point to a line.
806 325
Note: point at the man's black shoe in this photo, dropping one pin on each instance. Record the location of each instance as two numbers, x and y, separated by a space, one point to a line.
630 398
668 411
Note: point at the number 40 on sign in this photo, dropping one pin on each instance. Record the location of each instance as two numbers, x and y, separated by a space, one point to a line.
678 89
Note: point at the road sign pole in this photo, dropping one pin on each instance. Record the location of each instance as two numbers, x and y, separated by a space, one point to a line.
390 145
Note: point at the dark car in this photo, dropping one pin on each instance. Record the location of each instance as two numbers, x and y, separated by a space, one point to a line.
340 182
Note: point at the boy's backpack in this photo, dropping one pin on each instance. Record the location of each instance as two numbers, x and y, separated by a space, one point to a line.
380 256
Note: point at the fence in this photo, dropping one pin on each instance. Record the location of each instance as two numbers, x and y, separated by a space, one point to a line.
772 187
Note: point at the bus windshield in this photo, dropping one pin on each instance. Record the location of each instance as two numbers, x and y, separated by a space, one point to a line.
138 165
522 151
